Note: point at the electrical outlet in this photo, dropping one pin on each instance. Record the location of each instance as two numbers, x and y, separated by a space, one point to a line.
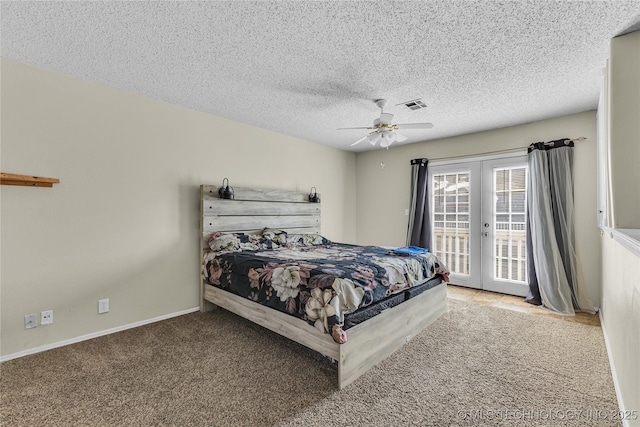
103 306
46 317
30 321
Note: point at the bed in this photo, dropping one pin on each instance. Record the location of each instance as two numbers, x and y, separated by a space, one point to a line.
379 325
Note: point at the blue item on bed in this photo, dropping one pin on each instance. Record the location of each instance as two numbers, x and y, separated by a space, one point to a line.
411 250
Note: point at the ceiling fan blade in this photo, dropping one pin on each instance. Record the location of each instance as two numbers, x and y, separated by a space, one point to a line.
369 127
360 140
414 126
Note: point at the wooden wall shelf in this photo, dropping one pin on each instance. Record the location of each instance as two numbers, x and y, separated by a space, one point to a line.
27 180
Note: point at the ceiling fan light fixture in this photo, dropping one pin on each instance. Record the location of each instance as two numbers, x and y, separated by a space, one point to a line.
400 137
373 138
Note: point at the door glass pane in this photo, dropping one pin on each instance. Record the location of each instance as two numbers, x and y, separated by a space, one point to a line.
510 258
451 220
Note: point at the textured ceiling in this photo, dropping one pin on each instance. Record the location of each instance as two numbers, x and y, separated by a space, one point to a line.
306 68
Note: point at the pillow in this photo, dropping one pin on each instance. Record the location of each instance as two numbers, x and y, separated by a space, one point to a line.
227 242
277 236
220 242
306 240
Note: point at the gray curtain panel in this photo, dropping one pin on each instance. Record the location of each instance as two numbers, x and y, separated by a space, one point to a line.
556 279
419 232
533 297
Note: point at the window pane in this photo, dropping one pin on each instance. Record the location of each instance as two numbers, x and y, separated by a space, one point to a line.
463 184
502 202
502 218
517 201
510 234
438 187
451 230
517 218
518 177
438 203
501 179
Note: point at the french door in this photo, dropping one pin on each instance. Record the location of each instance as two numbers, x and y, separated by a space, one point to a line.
478 222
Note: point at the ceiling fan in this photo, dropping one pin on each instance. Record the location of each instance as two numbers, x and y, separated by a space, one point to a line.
384 131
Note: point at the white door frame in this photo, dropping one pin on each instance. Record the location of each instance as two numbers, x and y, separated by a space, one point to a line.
480 212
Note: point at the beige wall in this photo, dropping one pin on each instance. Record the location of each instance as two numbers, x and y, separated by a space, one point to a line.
621 317
624 129
621 269
123 222
383 193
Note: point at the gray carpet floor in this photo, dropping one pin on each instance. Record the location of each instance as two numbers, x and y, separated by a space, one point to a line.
476 365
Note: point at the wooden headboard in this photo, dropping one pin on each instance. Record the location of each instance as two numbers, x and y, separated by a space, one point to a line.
254 209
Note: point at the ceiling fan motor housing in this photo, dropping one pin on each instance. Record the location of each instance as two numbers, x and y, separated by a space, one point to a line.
381 103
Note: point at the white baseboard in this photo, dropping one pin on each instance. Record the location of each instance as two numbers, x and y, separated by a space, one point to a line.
616 385
96 334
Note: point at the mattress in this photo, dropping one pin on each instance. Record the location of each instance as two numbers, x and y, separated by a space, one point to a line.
364 313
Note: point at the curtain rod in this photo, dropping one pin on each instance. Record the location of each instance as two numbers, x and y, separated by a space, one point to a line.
578 139
512 150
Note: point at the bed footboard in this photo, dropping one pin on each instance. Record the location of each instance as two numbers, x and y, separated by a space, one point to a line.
281 323
377 338
368 343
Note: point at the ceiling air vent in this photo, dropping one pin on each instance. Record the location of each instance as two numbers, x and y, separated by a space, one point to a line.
415 104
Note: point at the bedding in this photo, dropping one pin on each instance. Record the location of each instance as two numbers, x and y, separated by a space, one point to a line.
307 276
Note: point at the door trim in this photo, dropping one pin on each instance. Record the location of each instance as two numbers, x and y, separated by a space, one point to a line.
479 269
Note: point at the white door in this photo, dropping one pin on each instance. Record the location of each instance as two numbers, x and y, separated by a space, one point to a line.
504 247
478 227
455 220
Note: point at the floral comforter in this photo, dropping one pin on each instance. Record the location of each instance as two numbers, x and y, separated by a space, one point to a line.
310 277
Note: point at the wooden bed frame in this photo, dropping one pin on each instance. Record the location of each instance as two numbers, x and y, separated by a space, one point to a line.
368 343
